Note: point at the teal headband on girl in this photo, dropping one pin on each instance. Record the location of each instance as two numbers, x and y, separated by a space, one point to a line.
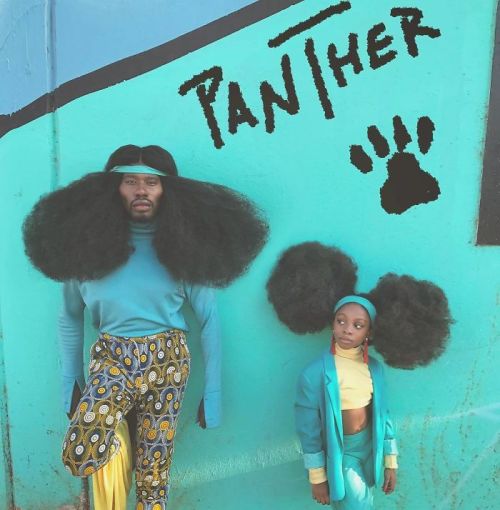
367 305
137 169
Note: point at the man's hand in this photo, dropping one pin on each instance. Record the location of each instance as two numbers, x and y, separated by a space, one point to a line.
389 480
321 492
201 416
75 400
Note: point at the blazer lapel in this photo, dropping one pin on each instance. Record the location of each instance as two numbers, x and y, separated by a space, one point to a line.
332 389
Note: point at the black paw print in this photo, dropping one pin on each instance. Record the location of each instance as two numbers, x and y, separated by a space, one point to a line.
407 184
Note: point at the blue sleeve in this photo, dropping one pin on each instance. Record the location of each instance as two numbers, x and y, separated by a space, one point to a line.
71 341
308 424
390 443
202 300
390 446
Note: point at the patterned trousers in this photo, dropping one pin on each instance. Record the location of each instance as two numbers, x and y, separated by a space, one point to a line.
149 373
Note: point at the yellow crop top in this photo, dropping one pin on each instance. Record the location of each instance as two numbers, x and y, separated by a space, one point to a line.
353 375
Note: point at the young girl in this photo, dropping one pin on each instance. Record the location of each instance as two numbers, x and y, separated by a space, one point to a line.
341 410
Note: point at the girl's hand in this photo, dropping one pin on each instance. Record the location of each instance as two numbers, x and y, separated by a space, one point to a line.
389 480
321 492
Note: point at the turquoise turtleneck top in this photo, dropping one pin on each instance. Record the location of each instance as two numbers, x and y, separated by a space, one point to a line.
139 298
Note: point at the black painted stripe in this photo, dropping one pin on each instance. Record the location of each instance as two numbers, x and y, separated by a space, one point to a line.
488 232
144 62
309 23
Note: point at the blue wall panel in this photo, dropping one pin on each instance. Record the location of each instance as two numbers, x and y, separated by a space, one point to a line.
24 63
88 35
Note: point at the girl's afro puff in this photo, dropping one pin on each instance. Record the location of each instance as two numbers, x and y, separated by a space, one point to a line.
305 284
413 320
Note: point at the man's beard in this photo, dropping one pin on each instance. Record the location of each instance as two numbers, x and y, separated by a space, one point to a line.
144 216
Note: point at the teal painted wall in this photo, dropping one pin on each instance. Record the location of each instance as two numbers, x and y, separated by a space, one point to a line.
447 413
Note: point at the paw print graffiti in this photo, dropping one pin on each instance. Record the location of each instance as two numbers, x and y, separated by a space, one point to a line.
407 183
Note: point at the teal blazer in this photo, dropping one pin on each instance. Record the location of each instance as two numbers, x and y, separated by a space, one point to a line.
319 421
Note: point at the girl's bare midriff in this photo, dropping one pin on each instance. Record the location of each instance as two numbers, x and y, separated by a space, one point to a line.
355 420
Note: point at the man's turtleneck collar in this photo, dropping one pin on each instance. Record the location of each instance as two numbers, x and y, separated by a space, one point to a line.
142 229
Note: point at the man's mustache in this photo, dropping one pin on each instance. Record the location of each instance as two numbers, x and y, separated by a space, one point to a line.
141 201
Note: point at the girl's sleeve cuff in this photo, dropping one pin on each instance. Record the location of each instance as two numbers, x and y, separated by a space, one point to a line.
317 475
314 460
391 461
390 447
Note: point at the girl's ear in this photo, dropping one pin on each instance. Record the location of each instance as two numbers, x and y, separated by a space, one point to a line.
413 320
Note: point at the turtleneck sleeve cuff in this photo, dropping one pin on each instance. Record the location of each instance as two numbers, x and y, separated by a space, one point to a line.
317 475
391 461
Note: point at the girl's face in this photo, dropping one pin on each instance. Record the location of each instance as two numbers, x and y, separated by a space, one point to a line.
351 326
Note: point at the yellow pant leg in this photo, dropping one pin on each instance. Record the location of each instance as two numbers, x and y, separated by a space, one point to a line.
111 484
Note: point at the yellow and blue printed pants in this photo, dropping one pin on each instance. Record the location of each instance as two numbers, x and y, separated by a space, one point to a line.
149 373
357 467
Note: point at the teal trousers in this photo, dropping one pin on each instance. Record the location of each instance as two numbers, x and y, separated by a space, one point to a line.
357 467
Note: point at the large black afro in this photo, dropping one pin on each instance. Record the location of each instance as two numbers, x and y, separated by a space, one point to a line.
307 281
80 231
205 233
413 320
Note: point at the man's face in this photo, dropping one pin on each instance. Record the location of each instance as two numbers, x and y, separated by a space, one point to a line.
141 194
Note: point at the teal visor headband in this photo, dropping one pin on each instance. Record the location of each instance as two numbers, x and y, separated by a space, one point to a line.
367 305
137 169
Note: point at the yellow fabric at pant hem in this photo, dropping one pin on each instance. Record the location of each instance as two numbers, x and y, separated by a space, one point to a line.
111 484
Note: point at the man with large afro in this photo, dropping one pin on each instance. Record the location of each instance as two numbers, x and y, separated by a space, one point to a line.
131 244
